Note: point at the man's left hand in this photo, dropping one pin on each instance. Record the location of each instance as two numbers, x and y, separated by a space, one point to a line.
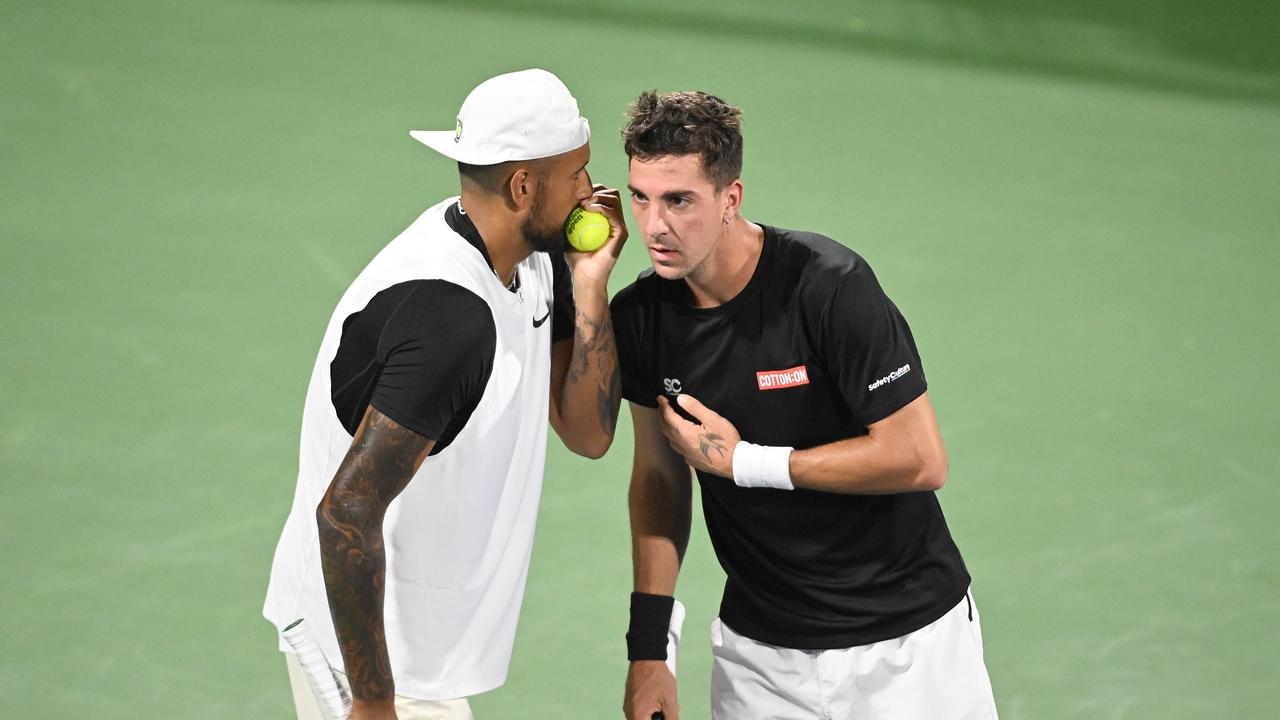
708 446
597 265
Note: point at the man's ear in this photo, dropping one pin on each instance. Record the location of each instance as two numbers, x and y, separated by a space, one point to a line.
733 197
520 188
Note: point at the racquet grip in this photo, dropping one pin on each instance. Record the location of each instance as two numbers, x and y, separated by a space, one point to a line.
334 701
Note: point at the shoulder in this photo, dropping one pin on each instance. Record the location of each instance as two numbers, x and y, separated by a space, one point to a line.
429 244
430 225
440 297
430 307
646 290
818 255
819 266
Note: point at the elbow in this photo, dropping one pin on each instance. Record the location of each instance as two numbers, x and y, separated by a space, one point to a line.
594 453
928 468
336 518
931 480
588 439
931 475
593 448
329 517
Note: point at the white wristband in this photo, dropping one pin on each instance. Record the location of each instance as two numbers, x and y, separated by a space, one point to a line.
762 466
674 630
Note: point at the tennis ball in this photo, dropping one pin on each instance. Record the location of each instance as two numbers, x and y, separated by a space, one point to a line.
587 231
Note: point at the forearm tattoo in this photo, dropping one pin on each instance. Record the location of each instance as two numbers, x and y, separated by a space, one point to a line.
597 345
379 464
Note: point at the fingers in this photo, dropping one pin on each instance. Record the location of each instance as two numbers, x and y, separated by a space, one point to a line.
670 418
603 197
650 714
601 189
691 405
655 708
608 202
665 414
650 691
669 428
644 704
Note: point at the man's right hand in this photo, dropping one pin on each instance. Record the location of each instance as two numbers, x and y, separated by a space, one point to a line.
651 688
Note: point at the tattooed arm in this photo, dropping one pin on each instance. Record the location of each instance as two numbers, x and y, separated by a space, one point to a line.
382 459
585 386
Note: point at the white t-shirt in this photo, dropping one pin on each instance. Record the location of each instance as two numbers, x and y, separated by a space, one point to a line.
431 337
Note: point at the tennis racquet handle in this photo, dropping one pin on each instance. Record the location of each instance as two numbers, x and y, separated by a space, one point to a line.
334 701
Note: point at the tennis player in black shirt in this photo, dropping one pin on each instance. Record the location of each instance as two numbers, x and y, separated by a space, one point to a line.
772 363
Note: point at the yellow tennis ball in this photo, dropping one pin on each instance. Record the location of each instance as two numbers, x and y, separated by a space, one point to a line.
587 231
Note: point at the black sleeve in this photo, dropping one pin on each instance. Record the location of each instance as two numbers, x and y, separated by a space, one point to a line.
420 352
634 360
563 310
868 348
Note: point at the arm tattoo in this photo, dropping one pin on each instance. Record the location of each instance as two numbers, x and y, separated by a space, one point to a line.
608 400
602 347
378 466
709 441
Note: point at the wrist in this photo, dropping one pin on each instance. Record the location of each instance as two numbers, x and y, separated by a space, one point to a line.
374 708
762 466
647 630
588 289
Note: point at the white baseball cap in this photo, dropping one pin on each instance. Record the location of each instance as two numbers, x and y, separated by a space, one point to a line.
522 115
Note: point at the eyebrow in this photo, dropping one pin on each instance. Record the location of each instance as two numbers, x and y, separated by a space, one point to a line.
669 195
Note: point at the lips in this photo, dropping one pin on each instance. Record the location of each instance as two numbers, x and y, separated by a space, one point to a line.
661 252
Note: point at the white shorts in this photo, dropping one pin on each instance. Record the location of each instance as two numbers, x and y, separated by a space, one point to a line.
934 673
406 708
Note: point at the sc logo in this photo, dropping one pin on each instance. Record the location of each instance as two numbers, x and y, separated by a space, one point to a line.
671 385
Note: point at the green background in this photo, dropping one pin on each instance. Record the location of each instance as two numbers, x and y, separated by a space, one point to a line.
1073 203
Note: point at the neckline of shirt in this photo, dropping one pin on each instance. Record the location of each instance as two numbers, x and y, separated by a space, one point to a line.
458 221
685 296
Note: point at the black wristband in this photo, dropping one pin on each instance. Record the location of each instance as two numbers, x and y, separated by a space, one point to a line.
650 620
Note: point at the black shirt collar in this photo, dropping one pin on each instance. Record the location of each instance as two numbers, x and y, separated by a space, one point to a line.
458 221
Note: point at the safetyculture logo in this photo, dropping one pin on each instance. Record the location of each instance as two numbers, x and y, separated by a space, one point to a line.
778 379
890 377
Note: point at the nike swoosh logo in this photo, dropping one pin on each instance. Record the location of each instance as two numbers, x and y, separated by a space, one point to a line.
538 323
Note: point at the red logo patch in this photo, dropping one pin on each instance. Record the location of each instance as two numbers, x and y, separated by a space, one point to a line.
778 379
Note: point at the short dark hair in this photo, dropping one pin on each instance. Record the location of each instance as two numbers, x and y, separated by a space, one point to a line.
492 178
686 123
489 177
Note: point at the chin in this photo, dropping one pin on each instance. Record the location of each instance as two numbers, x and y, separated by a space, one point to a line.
548 240
670 272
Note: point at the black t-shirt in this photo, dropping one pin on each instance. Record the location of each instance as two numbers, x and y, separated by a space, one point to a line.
810 352
422 351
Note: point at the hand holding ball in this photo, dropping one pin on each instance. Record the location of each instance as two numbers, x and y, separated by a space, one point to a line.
587 231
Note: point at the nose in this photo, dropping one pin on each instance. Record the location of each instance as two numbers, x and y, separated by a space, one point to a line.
654 224
585 187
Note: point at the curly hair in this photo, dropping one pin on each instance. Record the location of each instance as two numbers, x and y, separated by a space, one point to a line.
685 123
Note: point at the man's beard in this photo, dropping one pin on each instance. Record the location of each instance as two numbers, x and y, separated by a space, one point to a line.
543 238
